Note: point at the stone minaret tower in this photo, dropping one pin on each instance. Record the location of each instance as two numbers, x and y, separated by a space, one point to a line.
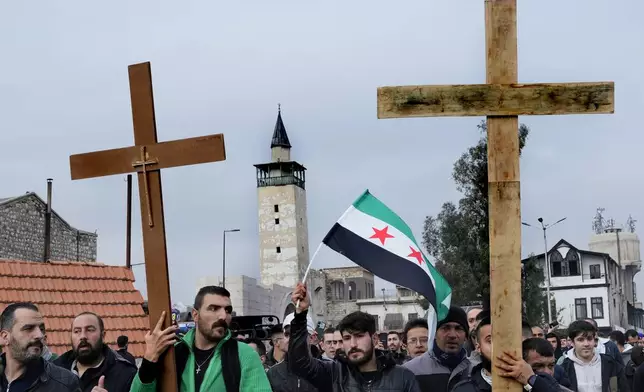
283 227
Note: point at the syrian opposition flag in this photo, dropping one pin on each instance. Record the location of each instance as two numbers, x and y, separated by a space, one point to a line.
374 237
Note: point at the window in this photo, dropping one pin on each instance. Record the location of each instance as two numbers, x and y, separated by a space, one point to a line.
352 291
277 221
597 307
375 316
595 271
276 208
412 316
581 308
337 288
556 261
572 263
278 250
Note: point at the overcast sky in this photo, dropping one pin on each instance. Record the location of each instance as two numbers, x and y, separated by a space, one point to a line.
222 67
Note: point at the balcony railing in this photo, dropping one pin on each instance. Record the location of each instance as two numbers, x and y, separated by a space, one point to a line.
279 181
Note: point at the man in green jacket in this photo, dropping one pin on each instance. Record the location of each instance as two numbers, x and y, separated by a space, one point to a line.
207 358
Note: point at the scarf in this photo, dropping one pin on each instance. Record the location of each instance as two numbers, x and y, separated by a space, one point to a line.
450 361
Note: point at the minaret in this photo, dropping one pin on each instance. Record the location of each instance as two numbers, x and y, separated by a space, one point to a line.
283 227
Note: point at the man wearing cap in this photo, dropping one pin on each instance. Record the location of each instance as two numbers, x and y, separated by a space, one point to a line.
442 367
280 376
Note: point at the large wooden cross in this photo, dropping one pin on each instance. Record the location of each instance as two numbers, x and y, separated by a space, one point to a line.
501 100
146 158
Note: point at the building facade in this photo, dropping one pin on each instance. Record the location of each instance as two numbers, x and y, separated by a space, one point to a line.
22 233
393 308
344 287
584 284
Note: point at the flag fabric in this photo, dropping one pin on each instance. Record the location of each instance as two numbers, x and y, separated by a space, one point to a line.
374 237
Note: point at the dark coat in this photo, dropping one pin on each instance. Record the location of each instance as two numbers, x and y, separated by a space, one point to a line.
118 371
476 383
47 378
126 355
339 375
283 380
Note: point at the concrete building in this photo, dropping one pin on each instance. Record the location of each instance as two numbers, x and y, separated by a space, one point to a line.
345 286
393 308
585 284
22 232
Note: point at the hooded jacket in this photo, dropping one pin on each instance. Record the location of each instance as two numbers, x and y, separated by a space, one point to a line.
432 375
339 375
118 371
602 370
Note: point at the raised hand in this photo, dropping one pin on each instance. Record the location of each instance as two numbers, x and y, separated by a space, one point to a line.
158 340
300 298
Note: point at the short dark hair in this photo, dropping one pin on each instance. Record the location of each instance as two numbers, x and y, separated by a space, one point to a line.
540 345
631 333
618 337
275 329
260 345
358 322
8 316
393 333
122 341
328 330
206 290
415 323
554 335
581 327
101 324
487 320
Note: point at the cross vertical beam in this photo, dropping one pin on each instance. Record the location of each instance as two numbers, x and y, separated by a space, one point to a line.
154 244
504 189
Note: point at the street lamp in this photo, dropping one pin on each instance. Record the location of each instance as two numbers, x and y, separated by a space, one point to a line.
545 244
223 279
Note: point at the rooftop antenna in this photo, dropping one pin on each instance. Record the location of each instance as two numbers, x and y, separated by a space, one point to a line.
630 224
599 223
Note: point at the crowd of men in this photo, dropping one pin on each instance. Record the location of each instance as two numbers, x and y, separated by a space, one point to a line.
349 357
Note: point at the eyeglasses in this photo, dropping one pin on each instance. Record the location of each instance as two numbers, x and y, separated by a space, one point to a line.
414 341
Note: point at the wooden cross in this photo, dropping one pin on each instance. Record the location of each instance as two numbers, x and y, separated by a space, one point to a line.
501 100
146 158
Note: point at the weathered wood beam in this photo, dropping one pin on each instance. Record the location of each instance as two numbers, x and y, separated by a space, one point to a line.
202 149
496 99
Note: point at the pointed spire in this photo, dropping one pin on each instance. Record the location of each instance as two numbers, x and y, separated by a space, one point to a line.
280 139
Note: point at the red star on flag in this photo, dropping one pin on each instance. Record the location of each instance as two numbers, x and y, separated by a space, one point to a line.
382 235
416 255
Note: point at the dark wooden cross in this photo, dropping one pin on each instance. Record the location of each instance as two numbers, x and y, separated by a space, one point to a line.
146 158
501 100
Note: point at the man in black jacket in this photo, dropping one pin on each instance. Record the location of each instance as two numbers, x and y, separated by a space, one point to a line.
22 367
122 342
92 359
507 365
282 378
363 368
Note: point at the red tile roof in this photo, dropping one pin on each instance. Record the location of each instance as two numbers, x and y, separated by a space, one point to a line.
64 289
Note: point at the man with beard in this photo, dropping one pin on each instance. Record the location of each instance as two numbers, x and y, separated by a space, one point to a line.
508 365
90 359
207 357
363 368
446 363
22 330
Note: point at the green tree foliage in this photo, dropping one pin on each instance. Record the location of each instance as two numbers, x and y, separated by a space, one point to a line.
458 236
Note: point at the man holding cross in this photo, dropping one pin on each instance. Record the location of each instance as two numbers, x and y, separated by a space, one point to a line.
207 358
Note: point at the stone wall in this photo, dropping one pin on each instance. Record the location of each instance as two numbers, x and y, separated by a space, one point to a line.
22 233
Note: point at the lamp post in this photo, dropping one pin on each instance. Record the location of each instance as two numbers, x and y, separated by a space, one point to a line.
223 279
545 227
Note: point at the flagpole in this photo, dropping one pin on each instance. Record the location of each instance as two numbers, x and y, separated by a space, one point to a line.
306 273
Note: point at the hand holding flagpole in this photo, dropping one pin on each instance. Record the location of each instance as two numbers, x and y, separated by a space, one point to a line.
306 273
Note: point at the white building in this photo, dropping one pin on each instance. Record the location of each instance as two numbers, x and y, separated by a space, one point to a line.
585 284
393 309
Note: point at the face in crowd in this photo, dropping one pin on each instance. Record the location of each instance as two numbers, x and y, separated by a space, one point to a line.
417 339
87 338
393 341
